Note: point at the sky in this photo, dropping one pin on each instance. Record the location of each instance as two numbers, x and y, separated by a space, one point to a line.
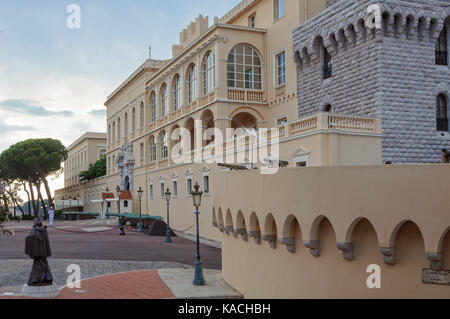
54 80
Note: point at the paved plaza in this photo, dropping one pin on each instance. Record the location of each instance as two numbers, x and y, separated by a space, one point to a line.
113 266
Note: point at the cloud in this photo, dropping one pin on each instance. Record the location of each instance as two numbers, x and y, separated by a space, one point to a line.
23 106
6 128
98 113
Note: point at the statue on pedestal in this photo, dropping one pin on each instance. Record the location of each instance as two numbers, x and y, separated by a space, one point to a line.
37 247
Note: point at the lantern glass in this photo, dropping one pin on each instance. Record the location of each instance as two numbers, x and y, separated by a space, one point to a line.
168 193
140 192
197 196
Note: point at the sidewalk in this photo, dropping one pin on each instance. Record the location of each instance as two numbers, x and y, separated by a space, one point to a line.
150 284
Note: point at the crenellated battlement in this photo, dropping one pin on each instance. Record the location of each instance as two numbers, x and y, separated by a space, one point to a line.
346 24
193 31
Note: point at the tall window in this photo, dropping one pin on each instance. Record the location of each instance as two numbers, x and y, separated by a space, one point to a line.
279 9
150 191
188 186
162 189
209 74
281 68
141 154
152 147
206 186
252 21
442 113
244 68
153 106
164 146
177 92
192 83
133 120
164 100
119 135
175 188
125 125
442 48
141 116
327 64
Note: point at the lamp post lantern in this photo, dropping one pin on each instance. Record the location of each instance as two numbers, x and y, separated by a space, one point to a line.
197 198
118 193
140 193
168 239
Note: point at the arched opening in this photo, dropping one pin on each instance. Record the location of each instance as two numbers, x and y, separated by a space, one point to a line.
254 230
446 250
409 245
364 238
177 93
328 108
229 222
176 142
207 125
220 220
164 100
442 113
192 83
214 218
442 48
133 120
190 128
244 68
292 237
270 231
125 130
153 107
141 116
127 183
244 119
209 73
164 145
152 149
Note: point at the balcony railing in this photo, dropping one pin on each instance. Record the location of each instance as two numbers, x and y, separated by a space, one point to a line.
442 124
246 95
441 57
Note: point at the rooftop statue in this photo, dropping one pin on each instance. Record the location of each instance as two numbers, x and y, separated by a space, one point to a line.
37 247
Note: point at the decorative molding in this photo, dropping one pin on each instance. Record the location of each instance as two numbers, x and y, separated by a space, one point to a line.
436 260
271 239
389 255
290 244
242 232
256 235
314 247
347 250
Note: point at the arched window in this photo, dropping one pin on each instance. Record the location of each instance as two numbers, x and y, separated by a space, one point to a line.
164 146
119 134
113 132
244 68
442 113
328 108
442 48
164 100
152 150
125 122
192 82
209 74
133 119
177 98
153 106
327 64
141 116
109 134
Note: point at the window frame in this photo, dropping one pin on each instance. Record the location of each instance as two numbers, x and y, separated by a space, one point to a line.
209 73
250 71
178 97
442 48
164 149
153 112
152 149
280 70
164 96
277 9
192 83
189 184
442 121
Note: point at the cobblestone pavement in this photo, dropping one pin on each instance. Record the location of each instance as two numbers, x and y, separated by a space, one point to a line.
14 273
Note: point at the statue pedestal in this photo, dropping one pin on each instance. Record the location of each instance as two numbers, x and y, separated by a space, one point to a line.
40 291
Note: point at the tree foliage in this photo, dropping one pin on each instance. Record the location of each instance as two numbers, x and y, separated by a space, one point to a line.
31 162
95 171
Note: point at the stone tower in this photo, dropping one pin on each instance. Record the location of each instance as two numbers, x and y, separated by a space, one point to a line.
382 64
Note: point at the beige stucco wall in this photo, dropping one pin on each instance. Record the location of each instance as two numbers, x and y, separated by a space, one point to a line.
373 207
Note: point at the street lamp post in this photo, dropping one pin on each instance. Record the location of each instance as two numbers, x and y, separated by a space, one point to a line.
168 239
78 206
197 198
107 205
140 192
118 193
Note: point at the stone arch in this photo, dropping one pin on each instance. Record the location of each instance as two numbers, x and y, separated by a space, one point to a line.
398 22
409 23
254 229
326 100
229 222
291 232
208 123
442 88
270 231
189 125
445 249
220 220
446 233
348 246
317 45
409 244
241 226
245 119
313 242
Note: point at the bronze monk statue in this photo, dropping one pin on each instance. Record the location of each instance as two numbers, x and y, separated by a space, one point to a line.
37 246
